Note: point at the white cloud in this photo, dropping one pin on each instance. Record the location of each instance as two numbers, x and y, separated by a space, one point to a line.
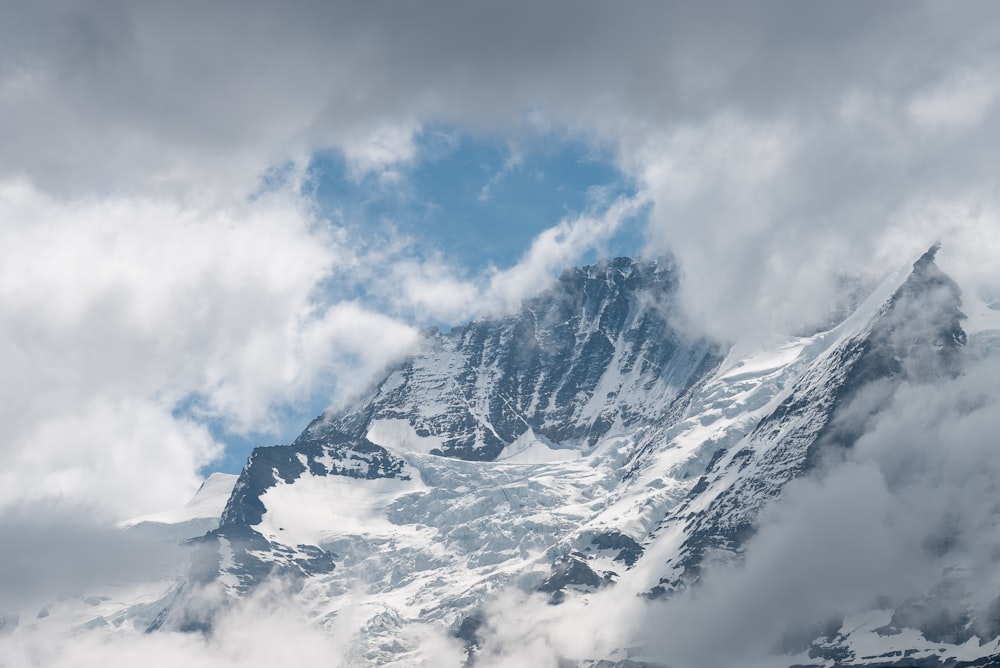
120 308
263 631
383 148
116 309
766 217
523 629
558 247
420 285
776 146
116 454
512 162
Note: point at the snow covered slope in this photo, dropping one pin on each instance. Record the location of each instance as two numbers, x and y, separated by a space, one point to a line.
595 354
579 446
914 335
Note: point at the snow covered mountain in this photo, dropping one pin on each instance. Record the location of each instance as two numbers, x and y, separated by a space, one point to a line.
594 354
582 445
199 515
508 412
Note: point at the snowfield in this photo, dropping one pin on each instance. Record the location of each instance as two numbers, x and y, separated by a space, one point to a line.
472 482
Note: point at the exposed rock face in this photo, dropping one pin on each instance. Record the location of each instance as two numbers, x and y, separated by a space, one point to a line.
581 443
915 336
335 454
595 351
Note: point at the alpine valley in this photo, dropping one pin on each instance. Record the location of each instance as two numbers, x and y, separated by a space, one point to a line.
580 448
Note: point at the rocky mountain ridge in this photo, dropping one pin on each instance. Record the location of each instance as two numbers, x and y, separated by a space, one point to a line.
581 445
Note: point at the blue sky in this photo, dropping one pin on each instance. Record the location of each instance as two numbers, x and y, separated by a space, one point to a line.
478 201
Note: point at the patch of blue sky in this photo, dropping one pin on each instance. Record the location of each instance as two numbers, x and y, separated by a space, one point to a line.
289 421
478 202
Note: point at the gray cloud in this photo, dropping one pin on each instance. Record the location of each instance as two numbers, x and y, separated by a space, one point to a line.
901 519
788 144
255 79
50 553
781 146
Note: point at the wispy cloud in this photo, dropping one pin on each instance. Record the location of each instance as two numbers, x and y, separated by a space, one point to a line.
778 146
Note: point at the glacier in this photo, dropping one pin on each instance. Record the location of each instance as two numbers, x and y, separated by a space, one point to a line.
583 444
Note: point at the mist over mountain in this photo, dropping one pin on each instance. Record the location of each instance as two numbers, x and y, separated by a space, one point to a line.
499 334
583 463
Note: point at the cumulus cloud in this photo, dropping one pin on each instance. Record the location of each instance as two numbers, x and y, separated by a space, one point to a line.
132 320
779 147
118 310
783 143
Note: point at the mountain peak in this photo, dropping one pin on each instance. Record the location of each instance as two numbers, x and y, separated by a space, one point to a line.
595 350
610 451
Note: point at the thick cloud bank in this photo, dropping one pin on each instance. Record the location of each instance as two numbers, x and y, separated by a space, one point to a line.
781 146
116 310
164 276
903 521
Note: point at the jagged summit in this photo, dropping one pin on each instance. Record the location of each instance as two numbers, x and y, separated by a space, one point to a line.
582 443
914 335
595 352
